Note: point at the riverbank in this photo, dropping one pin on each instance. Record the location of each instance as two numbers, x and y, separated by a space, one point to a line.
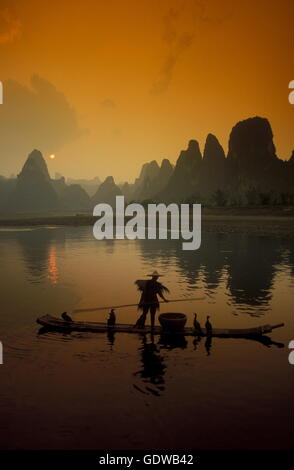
277 221
282 227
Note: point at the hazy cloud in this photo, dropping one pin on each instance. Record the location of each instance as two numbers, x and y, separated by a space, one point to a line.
10 25
179 33
37 117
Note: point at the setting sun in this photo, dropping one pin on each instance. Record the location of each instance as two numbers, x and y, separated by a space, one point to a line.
52 156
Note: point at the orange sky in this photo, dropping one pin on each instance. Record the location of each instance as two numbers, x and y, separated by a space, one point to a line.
143 77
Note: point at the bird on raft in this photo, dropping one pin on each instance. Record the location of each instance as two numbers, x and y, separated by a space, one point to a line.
208 326
197 326
66 317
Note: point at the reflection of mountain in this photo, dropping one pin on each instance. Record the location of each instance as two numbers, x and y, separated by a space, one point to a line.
208 259
249 263
289 254
251 269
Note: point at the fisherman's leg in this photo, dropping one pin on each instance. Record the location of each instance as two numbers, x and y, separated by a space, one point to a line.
144 315
152 315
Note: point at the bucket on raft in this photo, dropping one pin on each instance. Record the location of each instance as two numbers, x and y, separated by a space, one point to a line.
173 322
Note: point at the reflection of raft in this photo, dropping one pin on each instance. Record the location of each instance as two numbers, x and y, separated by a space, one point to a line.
172 322
58 324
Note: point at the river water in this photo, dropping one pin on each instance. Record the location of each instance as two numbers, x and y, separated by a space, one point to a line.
122 391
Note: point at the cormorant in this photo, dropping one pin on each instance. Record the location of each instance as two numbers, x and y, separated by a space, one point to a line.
197 325
66 317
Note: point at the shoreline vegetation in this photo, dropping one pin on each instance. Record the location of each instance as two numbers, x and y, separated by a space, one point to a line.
275 221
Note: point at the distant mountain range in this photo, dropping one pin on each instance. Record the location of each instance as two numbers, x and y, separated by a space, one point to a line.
251 173
90 186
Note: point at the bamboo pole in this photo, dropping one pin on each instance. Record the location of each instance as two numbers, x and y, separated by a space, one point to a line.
94 309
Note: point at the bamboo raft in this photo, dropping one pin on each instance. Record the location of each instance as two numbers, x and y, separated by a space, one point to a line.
57 324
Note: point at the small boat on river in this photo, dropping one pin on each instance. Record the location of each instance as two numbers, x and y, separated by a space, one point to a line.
58 324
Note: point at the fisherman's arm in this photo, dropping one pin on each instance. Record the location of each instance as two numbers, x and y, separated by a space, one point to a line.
160 289
162 296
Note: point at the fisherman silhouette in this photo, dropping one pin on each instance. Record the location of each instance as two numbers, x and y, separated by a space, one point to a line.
112 318
149 301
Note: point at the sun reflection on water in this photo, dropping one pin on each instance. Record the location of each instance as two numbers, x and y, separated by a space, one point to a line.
53 274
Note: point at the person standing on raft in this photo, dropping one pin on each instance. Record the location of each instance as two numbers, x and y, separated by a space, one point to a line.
149 301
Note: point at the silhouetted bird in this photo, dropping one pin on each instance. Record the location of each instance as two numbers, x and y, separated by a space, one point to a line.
197 325
208 326
111 319
66 317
